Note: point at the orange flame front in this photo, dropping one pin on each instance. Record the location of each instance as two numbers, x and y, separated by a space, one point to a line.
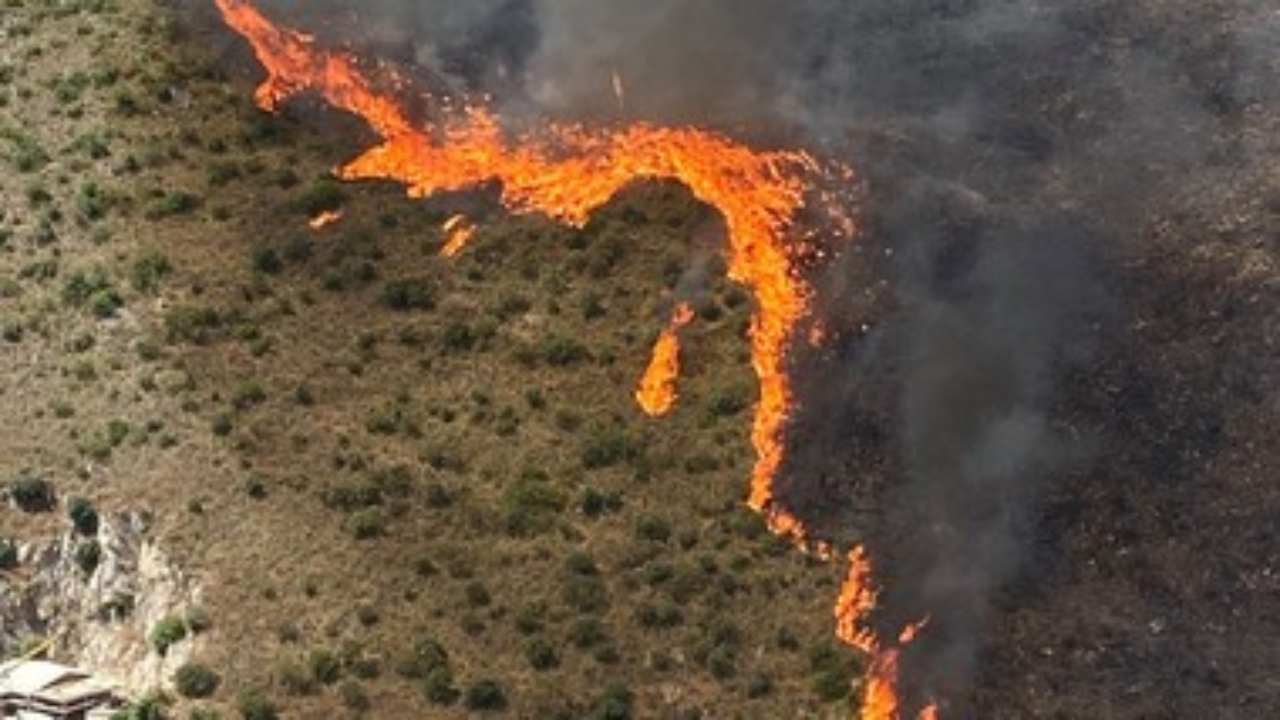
458 231
858 597
657 391
569 171
325 219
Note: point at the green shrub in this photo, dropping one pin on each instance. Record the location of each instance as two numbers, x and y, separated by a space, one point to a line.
198 620
486 695
191 324
665 615
83 516
562 351
607 447
168 631
82 285
458 337
87 556
595 503
354 697
615 704
323 196
149 270
759 685
439 688
222 425
267 261
653 529
150 707
92 203
411 294
427 655
172 204
728 401
367 524
580 563
325 667
722 662
587 632
194 680
531 505
253 705
832 686
478 594
248 394
294 679
541 654
25 151
33 494
529 619
586 594
222 172
8 555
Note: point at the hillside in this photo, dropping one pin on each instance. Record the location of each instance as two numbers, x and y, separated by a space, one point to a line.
365 450
409 485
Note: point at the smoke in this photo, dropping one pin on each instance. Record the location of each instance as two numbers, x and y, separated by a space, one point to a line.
1005 144
985 331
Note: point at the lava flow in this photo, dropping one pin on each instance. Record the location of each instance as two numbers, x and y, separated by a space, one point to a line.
657 391
569 171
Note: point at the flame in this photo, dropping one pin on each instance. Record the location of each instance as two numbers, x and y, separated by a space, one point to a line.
325 219
857 600
458 231
657 391
567 172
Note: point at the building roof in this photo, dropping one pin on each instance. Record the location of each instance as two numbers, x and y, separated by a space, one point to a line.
51 683
27 677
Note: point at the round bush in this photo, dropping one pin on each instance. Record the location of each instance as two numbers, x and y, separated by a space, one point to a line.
486 695
83 516
253 705
194 680
541 654
32 494
8 555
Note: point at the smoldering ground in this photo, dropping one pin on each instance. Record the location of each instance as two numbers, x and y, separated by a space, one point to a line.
1005 145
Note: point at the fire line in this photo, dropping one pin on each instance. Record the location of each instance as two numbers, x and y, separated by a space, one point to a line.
569 171
657 394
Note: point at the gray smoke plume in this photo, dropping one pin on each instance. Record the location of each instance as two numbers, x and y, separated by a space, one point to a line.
1003 142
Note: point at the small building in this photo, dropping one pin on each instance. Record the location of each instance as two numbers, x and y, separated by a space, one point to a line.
42 690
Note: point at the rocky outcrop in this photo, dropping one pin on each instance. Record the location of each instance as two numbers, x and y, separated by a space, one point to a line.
100 620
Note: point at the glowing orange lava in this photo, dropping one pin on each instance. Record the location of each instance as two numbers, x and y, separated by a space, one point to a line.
325 219
567 172
657 391
458 231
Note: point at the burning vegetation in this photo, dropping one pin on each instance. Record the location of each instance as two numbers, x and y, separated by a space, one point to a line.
567 172
657 391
